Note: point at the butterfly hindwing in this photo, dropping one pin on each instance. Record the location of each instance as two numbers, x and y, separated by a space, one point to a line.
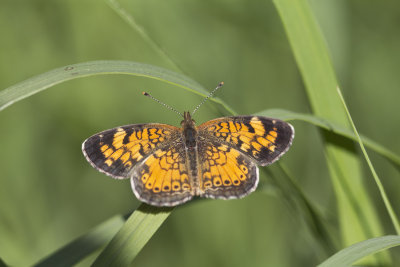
225 172
162 179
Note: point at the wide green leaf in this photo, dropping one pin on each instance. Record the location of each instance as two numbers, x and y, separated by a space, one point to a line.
132 237
353 253
333 127
46 80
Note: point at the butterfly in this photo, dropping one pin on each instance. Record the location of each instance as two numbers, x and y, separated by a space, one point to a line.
170 165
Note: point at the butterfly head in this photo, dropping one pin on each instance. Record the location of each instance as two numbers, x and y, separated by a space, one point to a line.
188 122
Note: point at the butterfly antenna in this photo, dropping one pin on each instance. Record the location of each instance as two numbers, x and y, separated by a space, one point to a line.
209 95
162 103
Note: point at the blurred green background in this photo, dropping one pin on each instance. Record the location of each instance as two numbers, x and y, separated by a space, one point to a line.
50 195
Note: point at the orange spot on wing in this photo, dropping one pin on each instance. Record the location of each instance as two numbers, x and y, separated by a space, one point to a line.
206 176
170 160
118 138
176 175
271 138
264 142
133 137
166 186
108 152
256 146
222 158
245 139
214 171
232 127
154 171
184 178
159 180
273 133
104 148
258 126
223 148
144 134
230 171
117 154
224 176
244 147
164 164
159 153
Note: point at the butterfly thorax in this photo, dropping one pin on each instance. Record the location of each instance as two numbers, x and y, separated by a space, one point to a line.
189 131
190 138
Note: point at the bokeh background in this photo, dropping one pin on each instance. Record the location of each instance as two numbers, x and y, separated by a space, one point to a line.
50 195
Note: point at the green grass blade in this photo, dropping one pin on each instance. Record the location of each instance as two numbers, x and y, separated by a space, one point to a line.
84 245
46 80
130 20
356 214
388 205
132 237
353 253
288 115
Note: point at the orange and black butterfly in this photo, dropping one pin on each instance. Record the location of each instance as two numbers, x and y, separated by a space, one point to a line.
169 165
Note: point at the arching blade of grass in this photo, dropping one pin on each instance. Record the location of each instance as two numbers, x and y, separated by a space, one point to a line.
130 20
353 253
357 218
386 201
327 125
46 80
132 237
84 245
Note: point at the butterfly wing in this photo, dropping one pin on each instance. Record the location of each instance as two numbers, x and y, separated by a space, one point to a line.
224 172
262 139
162 179
229 148
115 152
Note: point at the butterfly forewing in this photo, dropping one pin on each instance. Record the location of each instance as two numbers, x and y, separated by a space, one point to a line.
262 139
115 152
